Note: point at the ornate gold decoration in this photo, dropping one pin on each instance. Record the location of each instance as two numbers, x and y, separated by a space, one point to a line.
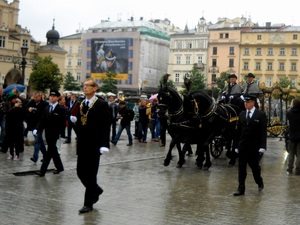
276 127
83 116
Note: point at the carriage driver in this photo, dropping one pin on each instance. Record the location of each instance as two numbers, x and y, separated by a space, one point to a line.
233 90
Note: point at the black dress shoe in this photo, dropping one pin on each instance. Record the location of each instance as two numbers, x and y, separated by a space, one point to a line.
261 187
86 209
96 199
33 160
57 171
40 174
113 142
129 144
238 193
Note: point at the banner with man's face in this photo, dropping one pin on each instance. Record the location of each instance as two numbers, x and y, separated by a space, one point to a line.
110 54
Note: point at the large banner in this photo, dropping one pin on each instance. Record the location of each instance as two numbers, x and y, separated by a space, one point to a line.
110 54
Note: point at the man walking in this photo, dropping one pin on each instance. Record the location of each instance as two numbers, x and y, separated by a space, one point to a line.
126 115
293 116
252 142
35 111
70 106
54 123
93 128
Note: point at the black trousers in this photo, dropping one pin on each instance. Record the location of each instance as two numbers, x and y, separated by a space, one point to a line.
253 161
51 153
87 170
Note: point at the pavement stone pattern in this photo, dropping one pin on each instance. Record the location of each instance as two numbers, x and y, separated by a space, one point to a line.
139 190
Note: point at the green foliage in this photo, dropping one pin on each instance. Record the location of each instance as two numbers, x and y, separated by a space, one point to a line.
109 83
45 74
70 83
197 78
284 82
220 81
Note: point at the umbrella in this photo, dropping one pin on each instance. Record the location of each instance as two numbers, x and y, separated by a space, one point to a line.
153 97
110 94
9 88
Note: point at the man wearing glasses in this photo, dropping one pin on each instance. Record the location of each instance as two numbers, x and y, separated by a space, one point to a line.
93 125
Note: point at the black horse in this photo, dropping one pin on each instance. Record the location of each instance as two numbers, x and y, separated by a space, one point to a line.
180 128
196 120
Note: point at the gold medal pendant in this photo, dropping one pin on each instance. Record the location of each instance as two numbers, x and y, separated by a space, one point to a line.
83 119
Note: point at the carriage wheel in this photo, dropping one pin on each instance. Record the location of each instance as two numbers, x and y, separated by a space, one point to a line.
216 148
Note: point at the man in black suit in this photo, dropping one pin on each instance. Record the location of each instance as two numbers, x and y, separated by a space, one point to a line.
35 111
92 123
70 106
252 142
54 123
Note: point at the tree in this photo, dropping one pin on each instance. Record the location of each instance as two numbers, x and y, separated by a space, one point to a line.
198 80
284 82
70 83
45 74
220 81
109 83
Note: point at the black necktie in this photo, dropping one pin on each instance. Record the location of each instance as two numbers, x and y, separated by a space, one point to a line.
248 117
87 103
51 108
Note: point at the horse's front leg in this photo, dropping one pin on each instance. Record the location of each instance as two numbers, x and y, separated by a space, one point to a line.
207 163
200 156
181 155
169 154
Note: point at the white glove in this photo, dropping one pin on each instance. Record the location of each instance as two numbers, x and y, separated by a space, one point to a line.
34 132
73 119
236 150
242 97
231 96
222 97
104 150
261 150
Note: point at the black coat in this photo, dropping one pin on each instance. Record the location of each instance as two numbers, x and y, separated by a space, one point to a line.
252 137
54 123
127 115
293 116
34 117
95 133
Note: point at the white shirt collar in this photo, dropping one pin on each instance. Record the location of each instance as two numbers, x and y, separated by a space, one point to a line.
90 100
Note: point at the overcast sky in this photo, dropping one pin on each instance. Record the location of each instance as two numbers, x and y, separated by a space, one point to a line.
70 15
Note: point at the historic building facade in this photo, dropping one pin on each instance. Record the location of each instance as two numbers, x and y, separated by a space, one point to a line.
73 60
187 48
12 38
271 53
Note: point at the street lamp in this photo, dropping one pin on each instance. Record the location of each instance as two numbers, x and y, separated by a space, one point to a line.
24 50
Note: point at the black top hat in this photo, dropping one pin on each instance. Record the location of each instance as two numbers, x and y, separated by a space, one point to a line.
232 76
55 93
250 75
249 98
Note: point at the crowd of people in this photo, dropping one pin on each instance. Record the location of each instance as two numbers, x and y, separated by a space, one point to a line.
98 121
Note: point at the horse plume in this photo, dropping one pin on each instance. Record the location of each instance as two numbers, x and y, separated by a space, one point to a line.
188 84
165 79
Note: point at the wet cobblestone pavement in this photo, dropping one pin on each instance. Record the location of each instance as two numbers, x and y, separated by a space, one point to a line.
139 190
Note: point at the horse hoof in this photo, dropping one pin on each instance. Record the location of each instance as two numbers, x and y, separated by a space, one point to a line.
207 166
166 162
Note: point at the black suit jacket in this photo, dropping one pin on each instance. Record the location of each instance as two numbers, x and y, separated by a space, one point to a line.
95 133
53 122
252 137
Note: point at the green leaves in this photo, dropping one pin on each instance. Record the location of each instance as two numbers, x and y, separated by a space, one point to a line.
46 75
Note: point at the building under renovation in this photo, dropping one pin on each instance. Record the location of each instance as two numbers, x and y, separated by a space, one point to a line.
137 50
